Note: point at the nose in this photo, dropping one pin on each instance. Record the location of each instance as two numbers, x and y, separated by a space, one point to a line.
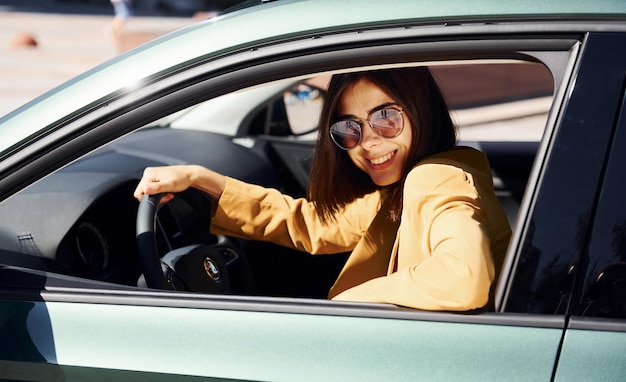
369 139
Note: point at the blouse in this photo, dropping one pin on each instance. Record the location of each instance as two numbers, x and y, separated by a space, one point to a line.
443 254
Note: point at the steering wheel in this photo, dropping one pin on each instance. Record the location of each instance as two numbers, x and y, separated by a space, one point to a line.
195 267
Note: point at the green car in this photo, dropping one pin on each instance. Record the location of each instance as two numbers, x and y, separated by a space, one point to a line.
538 85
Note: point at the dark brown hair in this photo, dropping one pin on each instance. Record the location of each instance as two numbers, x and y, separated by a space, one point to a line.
335 180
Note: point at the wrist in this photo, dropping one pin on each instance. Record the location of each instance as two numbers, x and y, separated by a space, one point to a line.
207 180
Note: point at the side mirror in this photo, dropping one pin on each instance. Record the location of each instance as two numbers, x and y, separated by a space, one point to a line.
303 105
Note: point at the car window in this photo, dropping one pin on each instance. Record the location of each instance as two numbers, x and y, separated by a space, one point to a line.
604 291
495 101
498 101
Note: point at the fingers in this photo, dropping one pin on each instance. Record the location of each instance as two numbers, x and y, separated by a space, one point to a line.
166 198
166 179
149 184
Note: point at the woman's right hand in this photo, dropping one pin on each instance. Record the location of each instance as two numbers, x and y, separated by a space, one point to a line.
172 179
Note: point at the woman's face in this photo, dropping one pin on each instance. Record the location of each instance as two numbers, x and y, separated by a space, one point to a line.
381 158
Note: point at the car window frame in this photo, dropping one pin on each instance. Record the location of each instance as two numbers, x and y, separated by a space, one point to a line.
214 78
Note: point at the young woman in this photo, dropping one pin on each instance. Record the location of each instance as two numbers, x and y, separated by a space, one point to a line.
389 184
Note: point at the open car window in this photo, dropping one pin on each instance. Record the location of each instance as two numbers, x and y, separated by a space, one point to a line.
489 101
264 135
498 101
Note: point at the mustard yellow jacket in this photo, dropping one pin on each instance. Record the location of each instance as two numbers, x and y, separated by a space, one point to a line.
443 255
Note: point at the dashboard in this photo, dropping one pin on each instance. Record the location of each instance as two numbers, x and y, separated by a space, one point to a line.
81 220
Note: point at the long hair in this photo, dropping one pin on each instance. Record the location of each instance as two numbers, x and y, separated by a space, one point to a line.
335 180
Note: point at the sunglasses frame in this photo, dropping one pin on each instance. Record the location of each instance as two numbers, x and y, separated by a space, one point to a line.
368 120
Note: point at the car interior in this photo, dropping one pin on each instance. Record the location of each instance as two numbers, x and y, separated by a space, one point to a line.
500 107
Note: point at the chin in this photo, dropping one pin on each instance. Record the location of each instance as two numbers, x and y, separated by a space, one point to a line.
385 182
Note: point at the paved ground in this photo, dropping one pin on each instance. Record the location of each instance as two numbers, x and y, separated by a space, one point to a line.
70 40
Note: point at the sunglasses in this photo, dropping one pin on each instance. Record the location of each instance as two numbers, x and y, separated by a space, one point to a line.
386 122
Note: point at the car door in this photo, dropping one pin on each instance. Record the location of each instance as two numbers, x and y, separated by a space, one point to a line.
64 326
594 343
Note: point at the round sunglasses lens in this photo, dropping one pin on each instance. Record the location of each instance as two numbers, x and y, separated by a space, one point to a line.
387 122
346 134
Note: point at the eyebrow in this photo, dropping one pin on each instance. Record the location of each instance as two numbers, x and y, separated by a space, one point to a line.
379 107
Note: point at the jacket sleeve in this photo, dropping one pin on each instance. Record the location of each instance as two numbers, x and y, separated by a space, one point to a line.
444 260
258 213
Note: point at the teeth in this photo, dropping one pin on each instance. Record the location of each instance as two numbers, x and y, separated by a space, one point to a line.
381 160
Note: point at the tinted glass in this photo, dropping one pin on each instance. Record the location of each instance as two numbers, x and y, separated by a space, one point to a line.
556 233
604 291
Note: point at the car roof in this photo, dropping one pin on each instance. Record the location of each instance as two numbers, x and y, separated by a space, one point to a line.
258 24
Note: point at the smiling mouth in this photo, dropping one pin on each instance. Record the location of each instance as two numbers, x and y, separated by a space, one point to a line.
383 159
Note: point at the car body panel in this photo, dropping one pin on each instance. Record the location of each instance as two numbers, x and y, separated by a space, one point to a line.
350 348
590 351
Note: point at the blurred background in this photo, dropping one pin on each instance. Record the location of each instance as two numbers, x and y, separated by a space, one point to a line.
43 43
